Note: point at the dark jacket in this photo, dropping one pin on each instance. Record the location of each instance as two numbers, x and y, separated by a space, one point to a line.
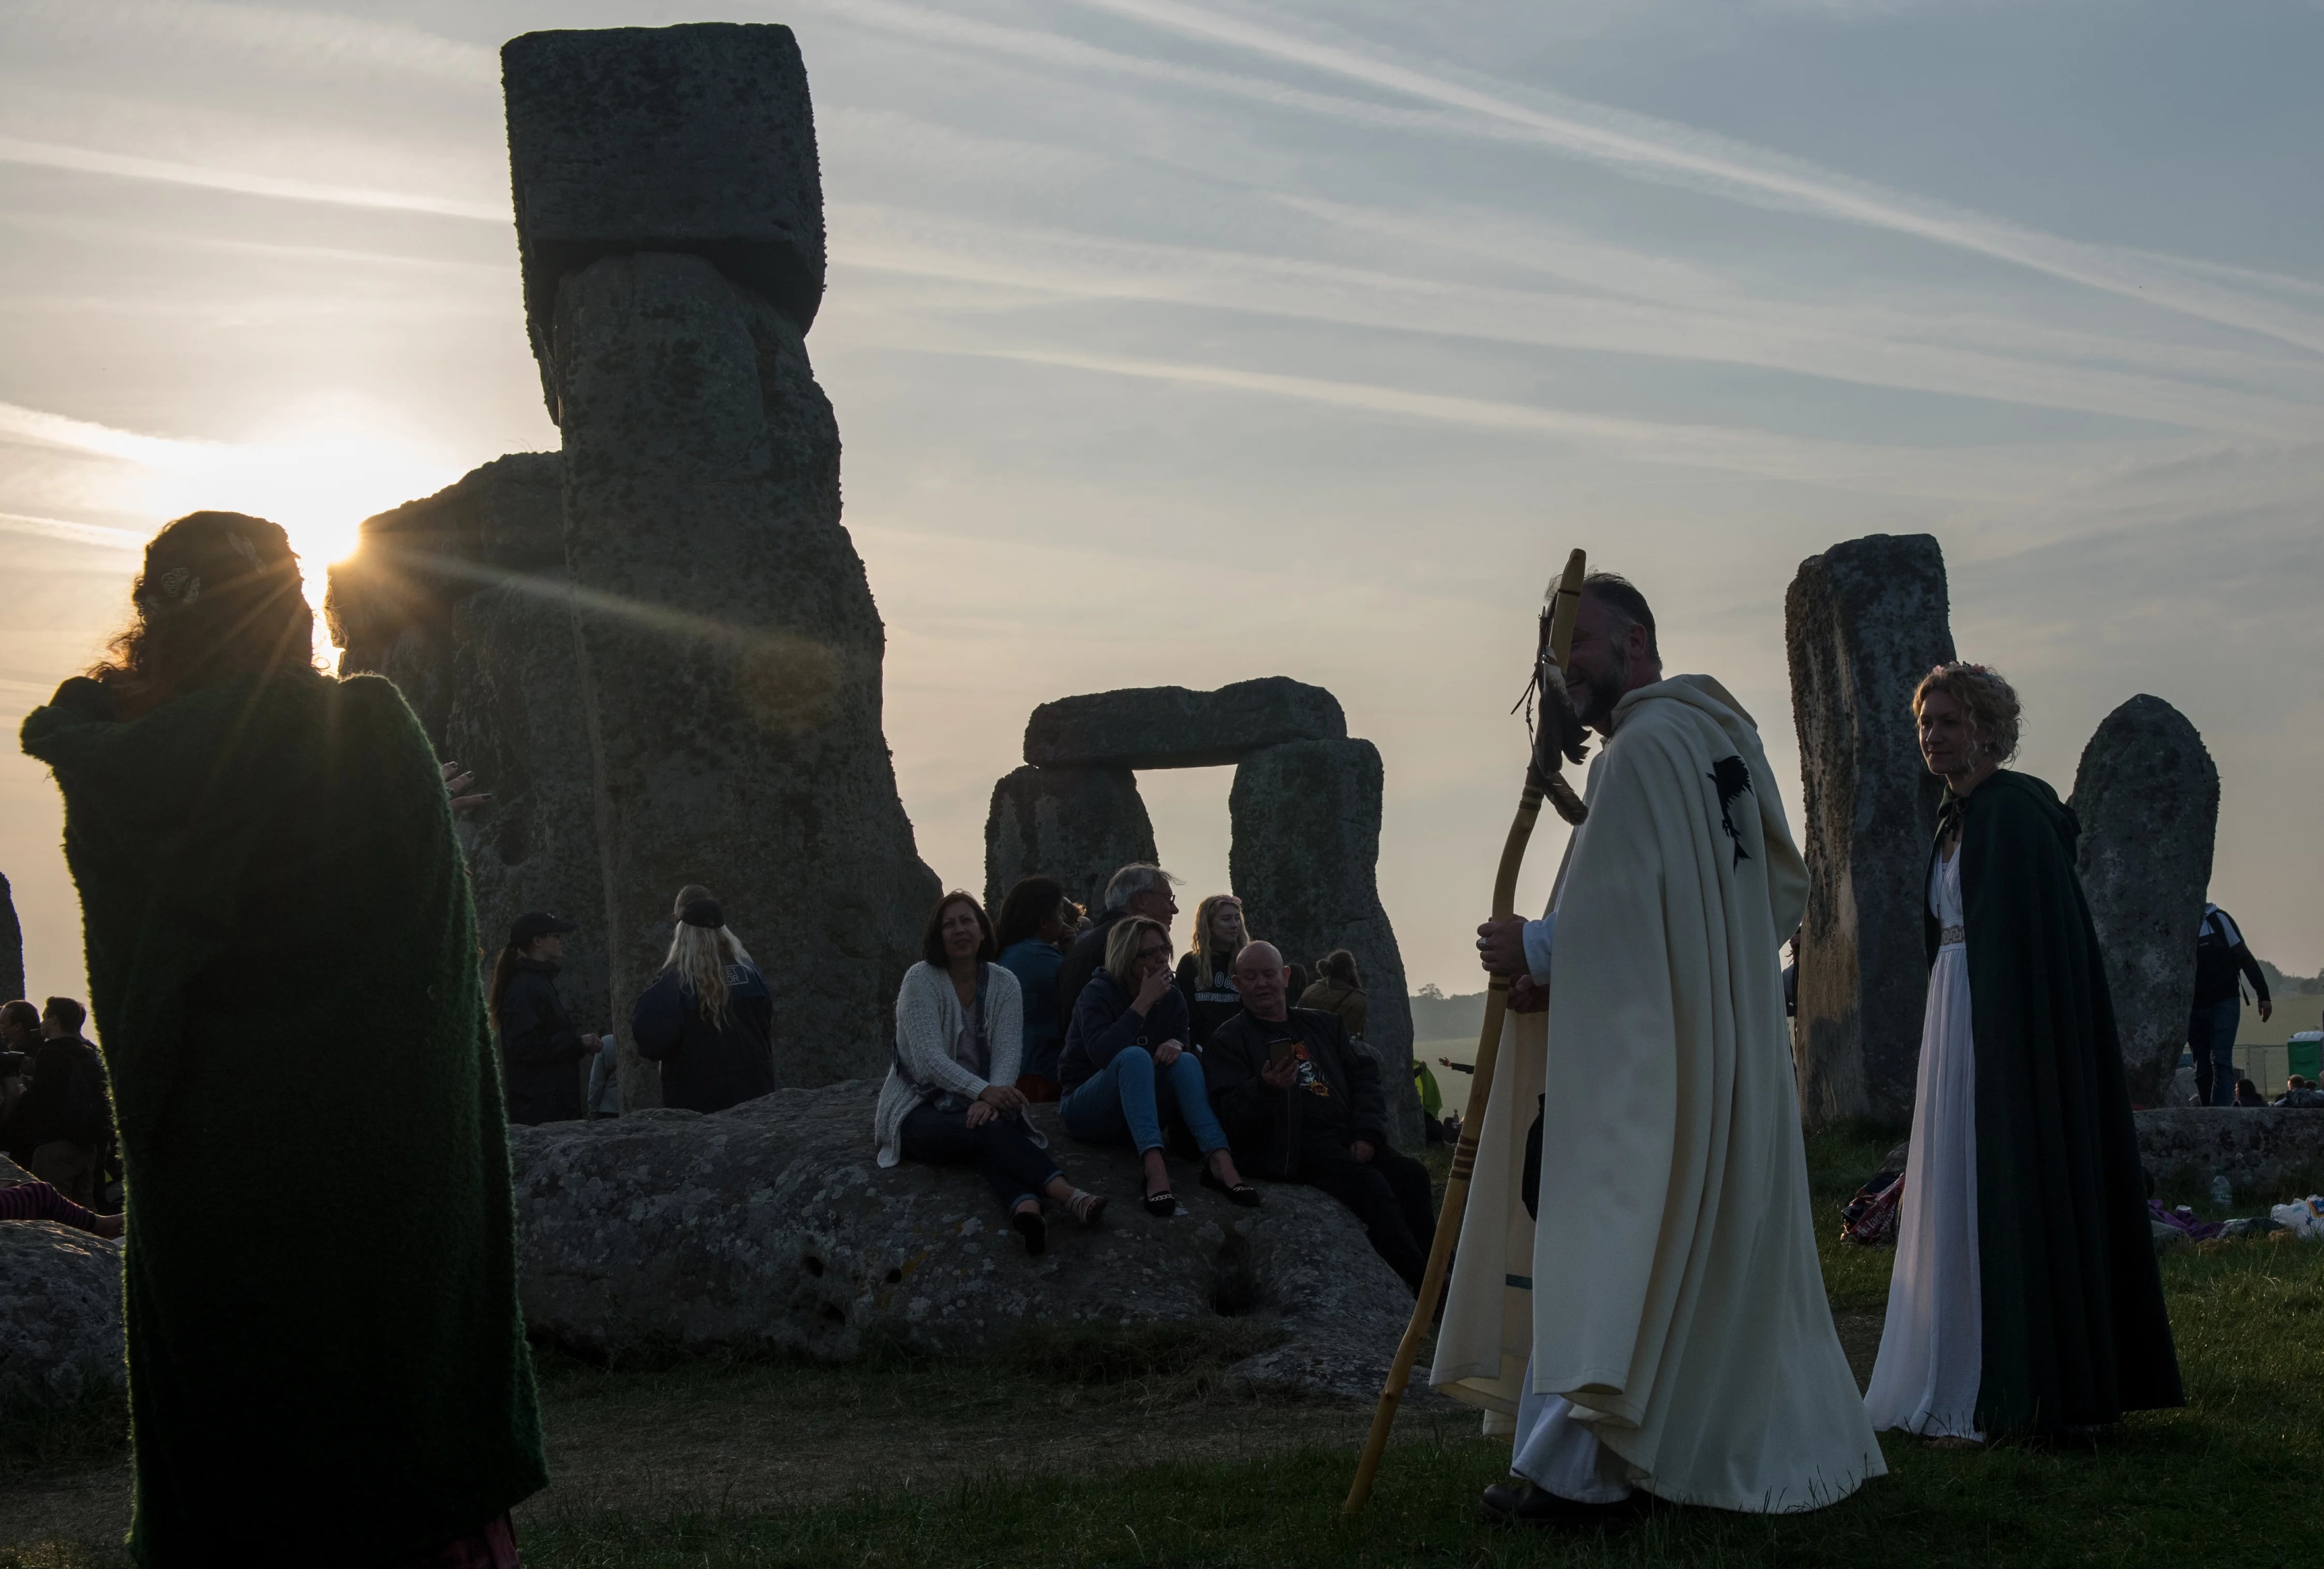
1271 1130
706 1066
1210 999
282 965
1036 965
1104 1025
2075 1329
1082 962
539 1049
68 1100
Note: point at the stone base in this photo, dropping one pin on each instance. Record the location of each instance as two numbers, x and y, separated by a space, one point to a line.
60 1312
2273 1154
771 1229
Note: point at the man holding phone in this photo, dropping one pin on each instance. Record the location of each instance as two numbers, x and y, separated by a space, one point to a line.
1301 1104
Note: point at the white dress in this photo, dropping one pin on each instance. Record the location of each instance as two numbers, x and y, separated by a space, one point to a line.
1933 1349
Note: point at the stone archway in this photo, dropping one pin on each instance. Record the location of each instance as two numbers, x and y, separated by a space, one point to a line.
1305 816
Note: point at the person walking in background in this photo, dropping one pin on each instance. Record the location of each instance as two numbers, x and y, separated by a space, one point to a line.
1304 1104
1125 1067
2026 1296
1339 989
66 1116
277 919
1138 889
951 1098
1206 973
1037 922
2221 955
20 1038
707 1016
540 1050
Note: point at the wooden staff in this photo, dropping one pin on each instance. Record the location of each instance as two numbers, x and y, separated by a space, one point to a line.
1540 777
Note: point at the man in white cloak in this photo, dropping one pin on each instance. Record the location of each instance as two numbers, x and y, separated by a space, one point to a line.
1662 1329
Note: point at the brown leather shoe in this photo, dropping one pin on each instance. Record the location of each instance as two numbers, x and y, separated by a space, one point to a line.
1523 1503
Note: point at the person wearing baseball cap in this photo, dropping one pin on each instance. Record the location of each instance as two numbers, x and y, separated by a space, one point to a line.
707 1017
540 1050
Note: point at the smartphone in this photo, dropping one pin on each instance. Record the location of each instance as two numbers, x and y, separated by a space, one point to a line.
1281 1052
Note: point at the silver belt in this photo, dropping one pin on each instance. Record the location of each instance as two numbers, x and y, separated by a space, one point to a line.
1952 937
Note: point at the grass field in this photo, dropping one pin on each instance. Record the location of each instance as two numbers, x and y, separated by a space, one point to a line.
1132 1453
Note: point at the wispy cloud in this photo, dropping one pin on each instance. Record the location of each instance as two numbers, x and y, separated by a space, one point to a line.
304 40
128 166
93 534
1660 149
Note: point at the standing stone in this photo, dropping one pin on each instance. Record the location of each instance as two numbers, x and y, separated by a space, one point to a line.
729 651
1173 728
1307 822
1077 824
461 599
2148 797
12 946
1863 623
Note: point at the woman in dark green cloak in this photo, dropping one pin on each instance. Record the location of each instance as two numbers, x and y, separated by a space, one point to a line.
2026 1296
282 963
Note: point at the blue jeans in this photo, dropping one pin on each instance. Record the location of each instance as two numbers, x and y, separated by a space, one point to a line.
2211 1036
1127 1096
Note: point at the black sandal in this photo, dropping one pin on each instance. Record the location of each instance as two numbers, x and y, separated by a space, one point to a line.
1162 1205
1240 1193
1029 1225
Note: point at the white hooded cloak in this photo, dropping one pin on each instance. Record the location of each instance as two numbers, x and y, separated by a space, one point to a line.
1670 1290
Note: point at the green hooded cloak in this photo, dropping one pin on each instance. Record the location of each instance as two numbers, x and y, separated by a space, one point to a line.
327 1361
2075 1331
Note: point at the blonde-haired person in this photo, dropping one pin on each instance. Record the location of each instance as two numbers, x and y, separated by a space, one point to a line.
1125 1067
2026 1296
707 1017
1206 974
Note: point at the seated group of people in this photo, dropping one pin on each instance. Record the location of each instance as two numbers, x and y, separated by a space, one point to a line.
56 1116
1092 1015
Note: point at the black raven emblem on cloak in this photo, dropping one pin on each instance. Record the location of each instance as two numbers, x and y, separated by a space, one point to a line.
1731 776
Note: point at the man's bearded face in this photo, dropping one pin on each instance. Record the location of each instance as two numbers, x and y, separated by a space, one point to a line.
1598 670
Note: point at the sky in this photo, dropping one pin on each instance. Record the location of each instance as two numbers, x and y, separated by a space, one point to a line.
1186 341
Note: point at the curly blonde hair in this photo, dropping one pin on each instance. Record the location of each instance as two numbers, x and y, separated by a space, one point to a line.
1991 704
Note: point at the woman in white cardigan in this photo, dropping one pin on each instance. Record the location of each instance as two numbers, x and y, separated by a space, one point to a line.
951 1098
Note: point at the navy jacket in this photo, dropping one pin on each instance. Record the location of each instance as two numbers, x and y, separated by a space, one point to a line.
708 1067
1104 1025
539 1049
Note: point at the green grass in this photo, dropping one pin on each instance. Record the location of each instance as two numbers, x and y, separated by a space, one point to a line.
2233 1479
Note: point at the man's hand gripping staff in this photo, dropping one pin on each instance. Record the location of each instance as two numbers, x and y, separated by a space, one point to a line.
1556 739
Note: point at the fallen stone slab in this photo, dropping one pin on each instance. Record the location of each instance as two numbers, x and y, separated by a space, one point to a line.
2264 1153
60 1312
1177 728
770 1229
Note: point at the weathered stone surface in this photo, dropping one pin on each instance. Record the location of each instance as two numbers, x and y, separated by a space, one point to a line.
1174 727
60 1312
12 946
730 655
1863 623
1077 824
2148 797
771 1228
1306 822
461 599
2269 1154
696 139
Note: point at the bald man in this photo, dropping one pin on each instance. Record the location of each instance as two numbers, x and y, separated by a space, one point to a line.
1302 1104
